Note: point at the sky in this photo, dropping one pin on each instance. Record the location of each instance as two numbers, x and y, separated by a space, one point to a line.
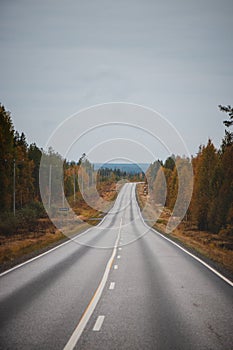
173 56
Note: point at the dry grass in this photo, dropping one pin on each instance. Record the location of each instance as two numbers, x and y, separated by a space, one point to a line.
216 247
18 246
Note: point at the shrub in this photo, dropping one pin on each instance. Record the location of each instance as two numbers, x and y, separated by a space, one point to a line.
8 223
39 209
24 220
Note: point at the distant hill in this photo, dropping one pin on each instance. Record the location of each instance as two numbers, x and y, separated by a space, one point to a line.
129 168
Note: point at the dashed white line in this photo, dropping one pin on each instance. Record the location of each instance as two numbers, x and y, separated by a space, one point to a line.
120 248
115 267
98 323
112 285
118 256
91 307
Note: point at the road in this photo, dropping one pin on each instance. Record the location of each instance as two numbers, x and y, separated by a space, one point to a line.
117 286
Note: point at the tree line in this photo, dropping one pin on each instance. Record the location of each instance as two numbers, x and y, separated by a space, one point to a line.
116 174
211 206
20 197
18 166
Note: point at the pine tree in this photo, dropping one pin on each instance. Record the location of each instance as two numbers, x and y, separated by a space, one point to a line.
160 187
204 169
224 199
24 172
6 159
34 154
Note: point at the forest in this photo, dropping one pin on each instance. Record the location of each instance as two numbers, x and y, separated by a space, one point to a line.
21 205
211 207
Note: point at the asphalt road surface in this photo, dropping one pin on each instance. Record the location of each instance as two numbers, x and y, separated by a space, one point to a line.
117 286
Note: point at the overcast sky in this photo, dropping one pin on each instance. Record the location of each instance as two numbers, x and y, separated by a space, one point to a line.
173 56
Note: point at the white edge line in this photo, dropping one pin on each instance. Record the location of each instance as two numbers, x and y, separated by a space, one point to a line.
186 251
51 250
91 306
32 259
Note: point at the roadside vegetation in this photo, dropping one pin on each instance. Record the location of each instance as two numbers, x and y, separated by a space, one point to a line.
25 228
214 246
208 224
27 236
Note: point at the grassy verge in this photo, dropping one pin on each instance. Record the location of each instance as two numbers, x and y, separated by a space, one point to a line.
215 248
23 244
18 248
